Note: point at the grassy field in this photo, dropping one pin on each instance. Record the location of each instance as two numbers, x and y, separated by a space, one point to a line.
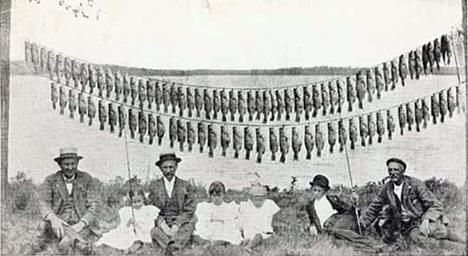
20 217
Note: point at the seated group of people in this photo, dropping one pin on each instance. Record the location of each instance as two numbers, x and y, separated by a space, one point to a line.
404 208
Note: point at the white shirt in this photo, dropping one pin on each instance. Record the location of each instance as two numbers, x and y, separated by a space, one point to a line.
169 185
69 184
324 209
398 190
257 220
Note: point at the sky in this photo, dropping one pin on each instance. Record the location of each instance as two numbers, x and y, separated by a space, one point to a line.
235 34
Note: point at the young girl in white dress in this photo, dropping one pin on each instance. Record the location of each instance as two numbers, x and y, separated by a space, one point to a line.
132 232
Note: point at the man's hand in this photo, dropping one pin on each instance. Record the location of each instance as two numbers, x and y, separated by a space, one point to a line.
131 222
57 224
312 230
174 230
354 197
79 226
424 227
165 228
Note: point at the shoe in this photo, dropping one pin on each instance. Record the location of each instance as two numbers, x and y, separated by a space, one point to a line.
84 248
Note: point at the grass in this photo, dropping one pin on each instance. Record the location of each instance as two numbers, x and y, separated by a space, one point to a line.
21 216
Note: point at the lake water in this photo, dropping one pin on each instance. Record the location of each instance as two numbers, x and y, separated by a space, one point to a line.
37 132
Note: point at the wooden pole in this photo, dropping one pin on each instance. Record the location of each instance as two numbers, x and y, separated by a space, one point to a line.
5 16
464 25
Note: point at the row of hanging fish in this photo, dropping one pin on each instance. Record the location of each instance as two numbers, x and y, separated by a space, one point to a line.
182 132
284 104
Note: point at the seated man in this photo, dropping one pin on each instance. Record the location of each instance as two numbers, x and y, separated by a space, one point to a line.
174 197
406 208
68 204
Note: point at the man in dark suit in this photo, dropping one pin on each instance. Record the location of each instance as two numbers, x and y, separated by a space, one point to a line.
174 196
68 204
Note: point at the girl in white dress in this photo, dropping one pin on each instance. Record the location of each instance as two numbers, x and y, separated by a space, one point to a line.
218 221
132 232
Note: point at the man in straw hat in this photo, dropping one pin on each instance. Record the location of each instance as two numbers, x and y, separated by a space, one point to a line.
68 204
174 196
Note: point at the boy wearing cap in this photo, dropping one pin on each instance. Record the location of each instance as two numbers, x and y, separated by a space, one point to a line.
256 216
68 203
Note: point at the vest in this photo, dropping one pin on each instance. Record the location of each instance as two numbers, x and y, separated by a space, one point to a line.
170 210
68 212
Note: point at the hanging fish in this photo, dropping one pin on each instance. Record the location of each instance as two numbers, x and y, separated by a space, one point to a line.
308 141
370 84
390 124
112 117
132 123
158 95
191 135
63 99
260 144
418 63
273 144
93 78
319 140
152 129
317 100
250 104
353 133
102 114
190 101
443 106
342 136
198 101
208 104
351 93
60 68
340 85
232 104
109 82
84 76
325 98
76 73
409 116
363 130
101 82
411 64
161 129
284 145
118 86
430 56
237 141
307 101
150 92
401 118
91 110
445 48
82 106
68 70
379 81
224 105
181 134
280 101
141 92
371 128
435 109
403 69
43 59
242 105
266 105
248 142
258 103
126 87
387 75
72 104
425 59
142 125
212 142
121 111
172 131
201 135
216 104
51 64
296 143
174 97
437 53
298 103
182 100
35 56
394 70
360 88
27 52
425 113
418 115
451 104
133 89
288 103
274 104
333 96
331 136
380 127
53 94
225 140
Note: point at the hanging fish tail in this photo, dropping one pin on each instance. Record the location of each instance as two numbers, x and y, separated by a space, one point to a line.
363 141
409 127
247 154
90 121
236 154
201 148
360 104
259 158
308 155
390 135
210 152
331 148
379 139
352 144
370 140
181 146
319 152
273 156
296 156
401 131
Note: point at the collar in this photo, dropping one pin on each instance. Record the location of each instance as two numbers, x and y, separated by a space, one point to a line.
166 181
68 179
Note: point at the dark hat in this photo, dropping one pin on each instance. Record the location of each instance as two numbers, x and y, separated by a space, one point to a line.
397 160
167 156
321 181
69 152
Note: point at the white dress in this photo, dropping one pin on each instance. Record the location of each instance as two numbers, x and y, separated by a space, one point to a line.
257 220
218 222
123 237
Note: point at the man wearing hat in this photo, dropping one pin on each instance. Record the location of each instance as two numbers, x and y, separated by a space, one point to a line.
68 204
174 196
405 207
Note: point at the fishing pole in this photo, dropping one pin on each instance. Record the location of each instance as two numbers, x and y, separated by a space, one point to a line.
129 180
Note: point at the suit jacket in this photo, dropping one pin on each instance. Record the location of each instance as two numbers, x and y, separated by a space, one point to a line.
417 199
182 191
336 203
53 193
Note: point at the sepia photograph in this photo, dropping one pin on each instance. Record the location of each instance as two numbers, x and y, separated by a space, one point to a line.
233 127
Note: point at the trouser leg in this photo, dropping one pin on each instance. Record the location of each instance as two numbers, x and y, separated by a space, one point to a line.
159 237
183 236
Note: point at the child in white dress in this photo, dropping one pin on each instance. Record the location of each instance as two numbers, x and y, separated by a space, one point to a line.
132 232
218 221
256 217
